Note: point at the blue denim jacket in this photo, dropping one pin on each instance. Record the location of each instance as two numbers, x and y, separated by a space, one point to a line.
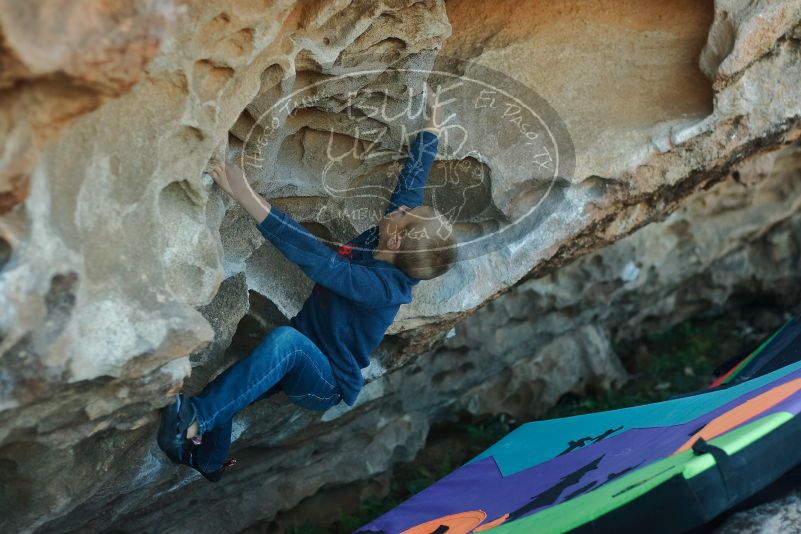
355 297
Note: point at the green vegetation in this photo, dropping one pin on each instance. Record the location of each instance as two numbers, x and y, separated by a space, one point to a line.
679 360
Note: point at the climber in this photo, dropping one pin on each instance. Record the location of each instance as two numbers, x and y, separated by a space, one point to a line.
317 359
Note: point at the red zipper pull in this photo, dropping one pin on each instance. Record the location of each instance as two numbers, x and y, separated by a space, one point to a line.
346 250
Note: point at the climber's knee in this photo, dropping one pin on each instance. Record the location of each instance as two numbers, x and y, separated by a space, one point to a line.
282 336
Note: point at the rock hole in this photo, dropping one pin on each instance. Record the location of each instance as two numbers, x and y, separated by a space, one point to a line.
719 44
467 367
208 78
262 317
438 378
5 253
217 24
271 76
462 189
60 298
238 44
181 195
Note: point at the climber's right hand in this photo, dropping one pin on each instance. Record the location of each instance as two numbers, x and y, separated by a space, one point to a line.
218 174
233 181
237 181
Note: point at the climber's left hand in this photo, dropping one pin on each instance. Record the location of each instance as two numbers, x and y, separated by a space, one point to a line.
434 120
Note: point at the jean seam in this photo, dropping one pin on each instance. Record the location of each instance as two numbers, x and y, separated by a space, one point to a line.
254 384
322 403
319 373
312 395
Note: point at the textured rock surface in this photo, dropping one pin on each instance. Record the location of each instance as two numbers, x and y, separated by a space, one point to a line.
723 247
123 270
783 515
62 60
726 247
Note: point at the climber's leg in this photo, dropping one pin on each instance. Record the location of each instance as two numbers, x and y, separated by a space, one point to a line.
284 352
269 393
311 383
212 452
192 431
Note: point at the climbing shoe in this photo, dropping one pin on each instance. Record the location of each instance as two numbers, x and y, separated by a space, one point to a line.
211 476
171 437
175 420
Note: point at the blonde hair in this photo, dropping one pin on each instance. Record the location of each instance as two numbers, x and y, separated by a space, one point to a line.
428 248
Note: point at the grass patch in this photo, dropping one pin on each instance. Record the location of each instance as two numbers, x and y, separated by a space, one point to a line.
680 360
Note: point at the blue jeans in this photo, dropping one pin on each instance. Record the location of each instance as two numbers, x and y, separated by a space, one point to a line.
284 360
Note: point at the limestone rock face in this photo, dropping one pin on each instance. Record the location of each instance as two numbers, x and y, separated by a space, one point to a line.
61 60
127 275
719 249
783 515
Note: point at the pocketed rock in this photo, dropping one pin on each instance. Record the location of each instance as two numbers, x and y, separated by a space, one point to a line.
124 267
782 515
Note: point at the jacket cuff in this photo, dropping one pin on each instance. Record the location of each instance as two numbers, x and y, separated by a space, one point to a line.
429 143
274 222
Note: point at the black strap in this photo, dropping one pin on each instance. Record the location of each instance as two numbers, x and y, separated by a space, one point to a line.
726 465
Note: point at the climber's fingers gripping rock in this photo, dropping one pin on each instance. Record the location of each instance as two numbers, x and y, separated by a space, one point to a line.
230 177
236 179
232 180
218 174
433 111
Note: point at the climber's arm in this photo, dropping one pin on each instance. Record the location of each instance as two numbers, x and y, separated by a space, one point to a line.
232 180
369 286
413 177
